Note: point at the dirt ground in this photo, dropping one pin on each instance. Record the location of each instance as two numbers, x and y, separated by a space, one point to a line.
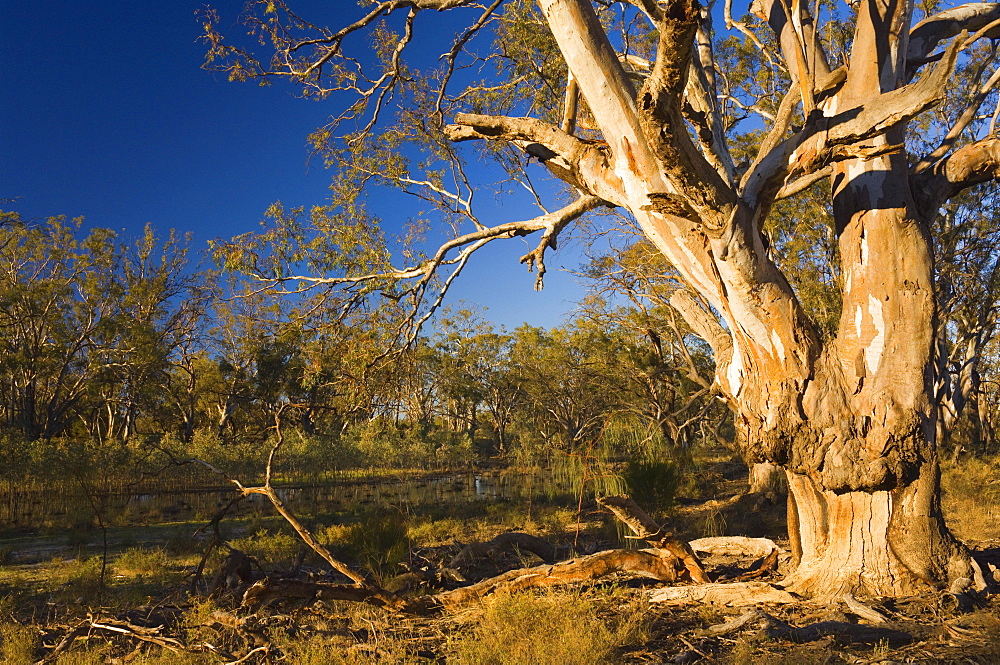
161 616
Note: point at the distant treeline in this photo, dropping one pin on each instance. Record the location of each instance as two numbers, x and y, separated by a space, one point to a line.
123 353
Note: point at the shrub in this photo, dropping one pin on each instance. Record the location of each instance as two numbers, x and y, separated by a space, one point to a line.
653 484
18 644
142 562
267 547
552 629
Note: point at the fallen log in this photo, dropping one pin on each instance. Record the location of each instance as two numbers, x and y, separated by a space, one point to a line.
761 567
734 546
512 540
645 528
734 594
269 590
862 610
582 569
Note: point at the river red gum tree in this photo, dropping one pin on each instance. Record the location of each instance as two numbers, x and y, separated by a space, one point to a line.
850 418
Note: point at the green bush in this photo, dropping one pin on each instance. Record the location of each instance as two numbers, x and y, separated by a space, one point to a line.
652 484
274 548
141 562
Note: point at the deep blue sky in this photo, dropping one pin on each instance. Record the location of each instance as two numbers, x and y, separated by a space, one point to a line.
106 113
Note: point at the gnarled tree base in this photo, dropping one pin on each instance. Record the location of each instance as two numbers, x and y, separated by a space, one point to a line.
882 543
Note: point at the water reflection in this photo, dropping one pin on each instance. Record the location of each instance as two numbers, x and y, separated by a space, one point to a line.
36 507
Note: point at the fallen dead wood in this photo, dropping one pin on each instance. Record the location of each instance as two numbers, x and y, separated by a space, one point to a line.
727 593
269 590
957 597
862 610
645 528
734 546
65 643
581 569
512 540
761 567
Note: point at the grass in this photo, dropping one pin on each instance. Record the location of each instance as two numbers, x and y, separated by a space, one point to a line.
971 497
602 625
18 643
554 628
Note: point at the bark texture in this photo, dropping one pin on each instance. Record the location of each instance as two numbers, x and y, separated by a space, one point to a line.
851 420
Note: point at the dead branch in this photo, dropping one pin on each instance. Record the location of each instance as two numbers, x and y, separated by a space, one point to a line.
582 569
735 546
65 643
268 590
862 610
761 567
629 512
150 635
728 593
511 540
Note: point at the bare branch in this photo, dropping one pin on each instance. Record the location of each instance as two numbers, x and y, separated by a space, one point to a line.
800 46
580 163
703 324
645 528
963 121
970 165
974 16
702 96
826 139
536 257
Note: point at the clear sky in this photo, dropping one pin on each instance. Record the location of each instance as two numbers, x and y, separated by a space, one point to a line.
106 113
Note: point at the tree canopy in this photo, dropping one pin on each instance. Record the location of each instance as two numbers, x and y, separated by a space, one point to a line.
794 170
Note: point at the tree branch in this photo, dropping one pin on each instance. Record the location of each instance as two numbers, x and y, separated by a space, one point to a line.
963 121
971 17
826 139
579 163
970 165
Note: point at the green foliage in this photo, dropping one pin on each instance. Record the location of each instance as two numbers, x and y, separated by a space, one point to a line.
274 548
150 564
652 484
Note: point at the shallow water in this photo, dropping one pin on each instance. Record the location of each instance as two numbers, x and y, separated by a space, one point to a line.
66 506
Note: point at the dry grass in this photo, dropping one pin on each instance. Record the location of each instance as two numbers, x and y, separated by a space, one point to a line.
549 629
971 498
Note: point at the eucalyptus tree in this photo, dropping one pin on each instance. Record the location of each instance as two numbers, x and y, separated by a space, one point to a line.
625 105
565 375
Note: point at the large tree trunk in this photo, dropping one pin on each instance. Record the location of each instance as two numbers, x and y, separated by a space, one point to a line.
850 419
881 543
